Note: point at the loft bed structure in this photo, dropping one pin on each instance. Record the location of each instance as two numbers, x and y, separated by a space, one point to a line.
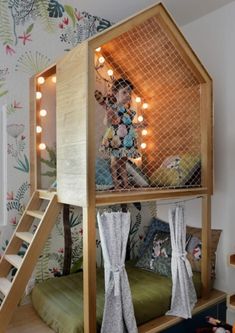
171 135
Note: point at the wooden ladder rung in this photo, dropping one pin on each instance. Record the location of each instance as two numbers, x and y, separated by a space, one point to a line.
46 195
25 236
14 259
5 286
35 213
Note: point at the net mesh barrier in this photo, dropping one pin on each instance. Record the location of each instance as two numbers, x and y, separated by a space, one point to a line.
147 113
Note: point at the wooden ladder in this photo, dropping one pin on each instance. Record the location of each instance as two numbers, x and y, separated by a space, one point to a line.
12 291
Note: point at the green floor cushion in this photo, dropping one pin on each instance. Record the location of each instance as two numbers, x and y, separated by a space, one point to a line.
58 301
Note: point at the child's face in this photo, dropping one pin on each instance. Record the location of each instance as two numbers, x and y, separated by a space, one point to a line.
123 95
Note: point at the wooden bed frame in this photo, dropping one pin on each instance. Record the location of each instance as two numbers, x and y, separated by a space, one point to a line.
78 187
76 128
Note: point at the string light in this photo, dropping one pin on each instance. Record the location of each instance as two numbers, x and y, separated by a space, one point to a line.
41 80
110 72
38 95
143 145
101 60
145 106
43 112
98 49
140 119
144 132
138 99
53 79
42 146
38 129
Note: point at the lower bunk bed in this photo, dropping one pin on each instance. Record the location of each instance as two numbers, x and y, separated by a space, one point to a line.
59 301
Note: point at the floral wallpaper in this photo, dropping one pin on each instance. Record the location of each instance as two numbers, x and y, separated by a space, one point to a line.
27 31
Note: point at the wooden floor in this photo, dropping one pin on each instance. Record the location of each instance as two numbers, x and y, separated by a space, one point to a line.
25 320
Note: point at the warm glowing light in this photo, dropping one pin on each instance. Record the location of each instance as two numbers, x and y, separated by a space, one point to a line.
140 118
143 145
43 113
38 95
38 129
138 161
53 79
42 146
145 106
144 132
41 80
98 49
138 99
110 72
101 60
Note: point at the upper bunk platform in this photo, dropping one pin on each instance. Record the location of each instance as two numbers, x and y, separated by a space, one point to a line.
154 143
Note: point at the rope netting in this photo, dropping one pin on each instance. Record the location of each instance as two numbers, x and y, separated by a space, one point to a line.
147 112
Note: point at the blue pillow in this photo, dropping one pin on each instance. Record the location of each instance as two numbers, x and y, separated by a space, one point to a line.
103 176
155 225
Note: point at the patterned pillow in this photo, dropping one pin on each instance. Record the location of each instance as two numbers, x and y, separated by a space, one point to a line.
157 255
135 174
194 245
103 176
155 225
177 171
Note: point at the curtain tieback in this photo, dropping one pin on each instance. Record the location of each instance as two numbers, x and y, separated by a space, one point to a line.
116 270
183 256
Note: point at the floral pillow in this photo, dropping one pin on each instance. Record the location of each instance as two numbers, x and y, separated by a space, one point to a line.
157 254
194 245
177 171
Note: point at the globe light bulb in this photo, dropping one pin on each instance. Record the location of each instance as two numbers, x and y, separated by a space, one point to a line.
110 72
43 112
53 79
38 129
98 49
138 99
42 146
144 132
41 80
145 106
38 95
140 119
101 60
143 145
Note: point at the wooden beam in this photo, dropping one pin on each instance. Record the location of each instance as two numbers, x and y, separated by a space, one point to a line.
89 269
112 198
206 246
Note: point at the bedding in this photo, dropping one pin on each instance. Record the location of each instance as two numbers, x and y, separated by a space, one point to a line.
58 301
159 232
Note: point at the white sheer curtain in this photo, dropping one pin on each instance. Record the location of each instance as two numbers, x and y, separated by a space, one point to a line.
183 292
118 314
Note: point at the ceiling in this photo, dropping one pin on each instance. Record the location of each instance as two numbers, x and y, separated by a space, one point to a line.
183 11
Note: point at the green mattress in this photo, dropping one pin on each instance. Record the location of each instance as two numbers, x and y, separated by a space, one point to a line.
59 301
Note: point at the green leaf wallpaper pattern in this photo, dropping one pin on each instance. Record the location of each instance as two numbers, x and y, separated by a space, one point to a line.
32 63
47 21
22 23
6 35
55 9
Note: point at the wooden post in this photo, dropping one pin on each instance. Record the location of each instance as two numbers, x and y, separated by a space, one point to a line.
67 241
206 246
89 269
